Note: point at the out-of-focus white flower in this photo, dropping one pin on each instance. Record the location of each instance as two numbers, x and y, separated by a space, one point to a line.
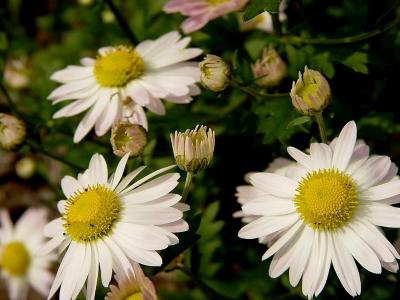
152 71
262 21
193 149
270 69
112 223
12 131
200 12
135 286
25 167
311 92
16 74
215 73
22 264
327 209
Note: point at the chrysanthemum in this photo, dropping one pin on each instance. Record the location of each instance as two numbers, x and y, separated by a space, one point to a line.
200 12
111 223
327 210
136 286
21 263
119 76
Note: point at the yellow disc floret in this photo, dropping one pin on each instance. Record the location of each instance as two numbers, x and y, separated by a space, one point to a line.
135 296
326 199
15 258
91 214
118 66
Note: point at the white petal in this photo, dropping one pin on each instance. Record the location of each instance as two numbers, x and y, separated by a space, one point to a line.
61 205
138 93
138 214
268 207
384 215
127 179
93 274
119 171
52 244
70 186
274 184
266 225
53 228
98 168
108 116
321 155
121 263
344 146
106 263
382 191
372 171
302 158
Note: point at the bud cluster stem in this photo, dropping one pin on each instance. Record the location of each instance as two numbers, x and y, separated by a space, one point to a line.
186 188
321 125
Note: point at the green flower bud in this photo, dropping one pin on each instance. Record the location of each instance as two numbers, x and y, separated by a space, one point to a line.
127 137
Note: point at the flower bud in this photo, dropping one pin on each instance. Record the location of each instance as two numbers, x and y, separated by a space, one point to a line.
126 137
270 69
16 74
25 167
215 73
193 149
311 92
12 131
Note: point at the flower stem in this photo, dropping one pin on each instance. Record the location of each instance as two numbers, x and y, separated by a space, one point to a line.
321 125
10 103
122 23
186 188
276 24
344 40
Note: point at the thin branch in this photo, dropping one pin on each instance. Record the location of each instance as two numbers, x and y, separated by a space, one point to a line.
122 23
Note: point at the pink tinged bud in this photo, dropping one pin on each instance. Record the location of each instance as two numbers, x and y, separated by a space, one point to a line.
126 137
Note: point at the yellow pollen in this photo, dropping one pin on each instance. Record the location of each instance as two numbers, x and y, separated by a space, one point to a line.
117 67
216 2
326 199
309 89
15 258
135 296
91 214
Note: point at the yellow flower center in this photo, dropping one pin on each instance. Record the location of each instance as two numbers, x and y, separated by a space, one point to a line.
15 259
118 67
326 199
309 89
91 214
216 2
135 296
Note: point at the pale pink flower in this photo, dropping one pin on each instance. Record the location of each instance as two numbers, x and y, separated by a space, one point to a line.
202 11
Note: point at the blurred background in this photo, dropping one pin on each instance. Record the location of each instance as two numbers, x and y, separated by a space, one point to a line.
40 37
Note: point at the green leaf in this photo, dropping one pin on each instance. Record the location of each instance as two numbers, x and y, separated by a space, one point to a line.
3 41
357 62
257 7
297 59
322 62
299 121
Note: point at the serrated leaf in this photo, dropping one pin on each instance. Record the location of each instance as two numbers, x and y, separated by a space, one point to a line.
322 62
256 7
357 62
299 121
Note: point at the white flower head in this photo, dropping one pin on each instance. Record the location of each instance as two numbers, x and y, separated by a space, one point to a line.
143 75
12 131
21 263
111 223
326 210
193 149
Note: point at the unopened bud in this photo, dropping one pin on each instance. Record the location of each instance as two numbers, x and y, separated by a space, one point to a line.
193 149
215 73
25 167
12 131
311 92
126 137
270 69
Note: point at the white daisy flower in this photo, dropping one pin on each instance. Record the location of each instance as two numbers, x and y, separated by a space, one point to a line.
154 70
111 223
21 263
327 210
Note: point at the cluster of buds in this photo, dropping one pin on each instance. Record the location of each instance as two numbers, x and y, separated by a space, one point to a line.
193 149
215 73
127 137
311 92
12 131
270 69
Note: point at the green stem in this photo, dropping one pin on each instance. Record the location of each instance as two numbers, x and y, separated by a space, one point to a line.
38 149
276 24
10 103
122 23
344 40
186 188
321 125
208 291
